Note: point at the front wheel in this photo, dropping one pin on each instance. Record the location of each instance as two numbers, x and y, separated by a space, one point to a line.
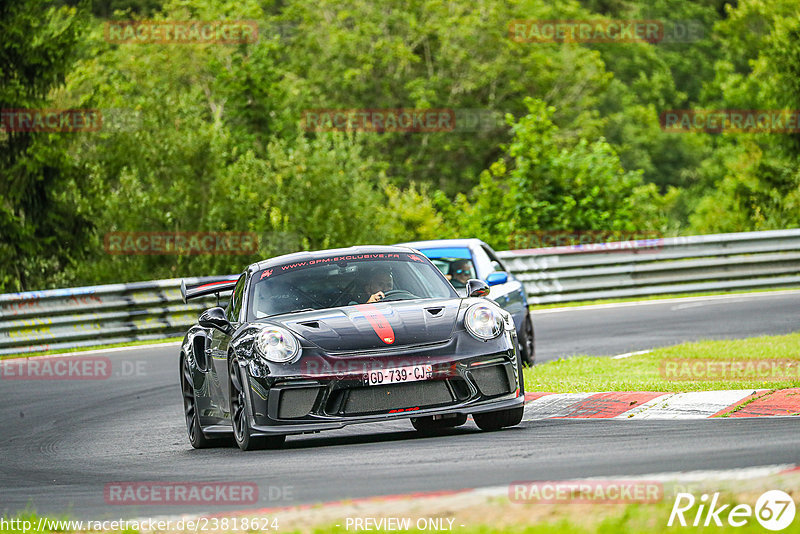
526 342
196 436
242 432
496 420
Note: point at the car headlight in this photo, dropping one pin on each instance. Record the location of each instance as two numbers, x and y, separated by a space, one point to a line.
277 344
483 321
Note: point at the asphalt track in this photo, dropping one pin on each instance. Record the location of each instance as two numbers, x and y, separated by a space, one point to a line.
63 441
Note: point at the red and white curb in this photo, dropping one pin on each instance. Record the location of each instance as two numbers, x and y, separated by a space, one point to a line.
655 405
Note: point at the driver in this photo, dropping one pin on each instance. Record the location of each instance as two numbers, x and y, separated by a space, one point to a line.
379 281
460 273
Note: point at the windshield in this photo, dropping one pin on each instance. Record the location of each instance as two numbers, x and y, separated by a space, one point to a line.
347 280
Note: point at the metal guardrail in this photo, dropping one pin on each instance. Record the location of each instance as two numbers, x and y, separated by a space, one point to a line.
658 266
37 321
66 318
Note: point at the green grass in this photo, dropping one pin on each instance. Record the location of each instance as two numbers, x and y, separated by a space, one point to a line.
498 515
633 519
643 372
597 519
558 519
574 304
93 347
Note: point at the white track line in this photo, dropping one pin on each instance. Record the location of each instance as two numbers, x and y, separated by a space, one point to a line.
98 351
629 354
666 301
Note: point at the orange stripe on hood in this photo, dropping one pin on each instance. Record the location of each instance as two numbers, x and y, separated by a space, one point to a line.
378 322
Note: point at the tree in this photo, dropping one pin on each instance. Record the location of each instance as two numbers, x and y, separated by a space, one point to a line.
44 215
544 183
456 55
757 186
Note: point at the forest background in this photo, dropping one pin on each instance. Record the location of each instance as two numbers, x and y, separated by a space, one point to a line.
210 137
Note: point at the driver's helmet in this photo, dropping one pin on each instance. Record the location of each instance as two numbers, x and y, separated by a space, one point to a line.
379 278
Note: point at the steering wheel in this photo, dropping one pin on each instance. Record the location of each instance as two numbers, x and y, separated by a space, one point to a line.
388 295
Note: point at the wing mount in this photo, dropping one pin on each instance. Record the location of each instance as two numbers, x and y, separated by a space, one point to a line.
210 286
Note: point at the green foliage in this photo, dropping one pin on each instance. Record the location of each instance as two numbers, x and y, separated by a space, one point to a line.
759 192
208 137
286 197
411 215
419 54
106 8
43 216
757 185
546 183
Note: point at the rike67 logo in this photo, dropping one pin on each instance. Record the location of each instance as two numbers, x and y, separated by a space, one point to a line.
774 510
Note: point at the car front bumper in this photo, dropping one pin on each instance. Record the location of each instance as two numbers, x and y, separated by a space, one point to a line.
483 377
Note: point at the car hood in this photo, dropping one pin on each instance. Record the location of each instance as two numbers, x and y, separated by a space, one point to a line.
376 326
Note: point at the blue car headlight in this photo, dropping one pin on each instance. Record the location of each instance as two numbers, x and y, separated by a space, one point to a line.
277 344
483 321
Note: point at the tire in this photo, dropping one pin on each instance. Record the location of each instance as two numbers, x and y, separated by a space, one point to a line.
242 433
527 345
489 421
429 424
196 436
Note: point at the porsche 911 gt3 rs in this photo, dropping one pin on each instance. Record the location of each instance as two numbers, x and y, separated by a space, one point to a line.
314 341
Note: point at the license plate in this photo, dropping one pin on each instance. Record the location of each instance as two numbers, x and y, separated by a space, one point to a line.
412 373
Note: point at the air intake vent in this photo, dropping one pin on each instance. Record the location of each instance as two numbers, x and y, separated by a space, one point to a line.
397 396
493 380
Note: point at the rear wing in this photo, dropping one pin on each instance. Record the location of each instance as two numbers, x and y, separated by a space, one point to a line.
211 286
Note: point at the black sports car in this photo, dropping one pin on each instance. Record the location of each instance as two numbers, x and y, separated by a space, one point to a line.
314 341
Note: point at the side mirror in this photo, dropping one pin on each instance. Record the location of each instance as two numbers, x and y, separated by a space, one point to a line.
214 318
477 288
496 278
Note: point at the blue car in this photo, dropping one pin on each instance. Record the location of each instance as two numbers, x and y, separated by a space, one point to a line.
463 259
